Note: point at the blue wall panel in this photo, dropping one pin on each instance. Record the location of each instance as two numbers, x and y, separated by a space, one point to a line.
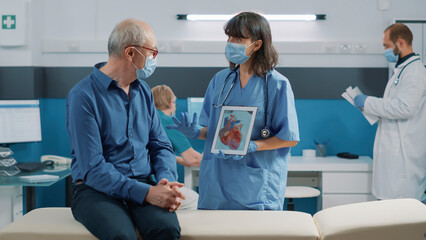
334 120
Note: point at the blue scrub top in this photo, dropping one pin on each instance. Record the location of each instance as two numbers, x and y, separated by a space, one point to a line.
179 142
258 180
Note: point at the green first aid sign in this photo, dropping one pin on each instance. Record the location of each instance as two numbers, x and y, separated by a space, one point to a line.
8 22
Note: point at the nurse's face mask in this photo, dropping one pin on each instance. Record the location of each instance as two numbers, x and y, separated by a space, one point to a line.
236 53
150 65
390 54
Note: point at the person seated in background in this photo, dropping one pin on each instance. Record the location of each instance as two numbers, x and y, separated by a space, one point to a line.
165 102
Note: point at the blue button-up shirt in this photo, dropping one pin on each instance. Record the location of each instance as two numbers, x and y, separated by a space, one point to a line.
116 137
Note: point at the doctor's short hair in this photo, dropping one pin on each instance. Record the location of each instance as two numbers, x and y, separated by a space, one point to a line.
400 30
254 26
126 33
163 95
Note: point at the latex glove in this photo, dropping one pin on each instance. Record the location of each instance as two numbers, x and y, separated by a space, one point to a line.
251 148
360 100
189 129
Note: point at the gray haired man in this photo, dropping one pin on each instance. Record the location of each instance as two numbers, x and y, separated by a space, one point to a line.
119 148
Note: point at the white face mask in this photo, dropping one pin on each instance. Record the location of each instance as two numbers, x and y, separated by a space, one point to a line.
148 69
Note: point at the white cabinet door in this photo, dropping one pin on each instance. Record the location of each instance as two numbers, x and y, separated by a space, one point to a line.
5 206
417 30
10 204
424 44
332 200
17 203
346 182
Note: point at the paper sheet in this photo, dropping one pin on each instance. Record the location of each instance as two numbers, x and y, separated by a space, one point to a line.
39 178
350 94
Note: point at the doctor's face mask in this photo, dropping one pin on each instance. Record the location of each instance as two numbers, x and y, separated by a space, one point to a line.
148 69
390 54
236 53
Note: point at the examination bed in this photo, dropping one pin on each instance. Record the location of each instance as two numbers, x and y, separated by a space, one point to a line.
387 219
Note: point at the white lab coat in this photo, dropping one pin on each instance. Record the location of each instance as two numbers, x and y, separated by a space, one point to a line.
399 159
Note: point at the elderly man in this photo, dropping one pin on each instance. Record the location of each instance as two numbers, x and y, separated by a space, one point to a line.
118 144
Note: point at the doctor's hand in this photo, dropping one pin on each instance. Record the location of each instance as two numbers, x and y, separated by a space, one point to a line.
360 100
251 148
189 129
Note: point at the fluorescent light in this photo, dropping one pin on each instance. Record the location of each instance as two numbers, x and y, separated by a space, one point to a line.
288 17
208 17
270 17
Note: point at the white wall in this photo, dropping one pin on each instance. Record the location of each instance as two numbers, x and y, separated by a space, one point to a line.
74 32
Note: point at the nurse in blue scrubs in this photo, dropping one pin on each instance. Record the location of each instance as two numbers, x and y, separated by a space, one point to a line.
258 179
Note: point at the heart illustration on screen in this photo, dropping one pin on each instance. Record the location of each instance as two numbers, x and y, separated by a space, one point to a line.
230 134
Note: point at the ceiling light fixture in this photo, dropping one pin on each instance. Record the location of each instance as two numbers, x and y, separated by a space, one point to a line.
270 17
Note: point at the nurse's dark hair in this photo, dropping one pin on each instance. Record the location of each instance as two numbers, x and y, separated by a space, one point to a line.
400 30
255 26
126 33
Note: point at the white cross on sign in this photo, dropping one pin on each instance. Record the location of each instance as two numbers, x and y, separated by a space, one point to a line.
9 22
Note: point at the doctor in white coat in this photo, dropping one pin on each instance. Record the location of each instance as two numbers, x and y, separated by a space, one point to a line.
399 158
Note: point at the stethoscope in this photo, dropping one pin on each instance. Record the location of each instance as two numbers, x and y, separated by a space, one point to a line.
396 81
265 133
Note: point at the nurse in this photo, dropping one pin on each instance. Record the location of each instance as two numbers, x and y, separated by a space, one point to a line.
257 180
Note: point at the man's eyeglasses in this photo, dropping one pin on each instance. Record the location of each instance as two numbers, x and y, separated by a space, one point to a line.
154 52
